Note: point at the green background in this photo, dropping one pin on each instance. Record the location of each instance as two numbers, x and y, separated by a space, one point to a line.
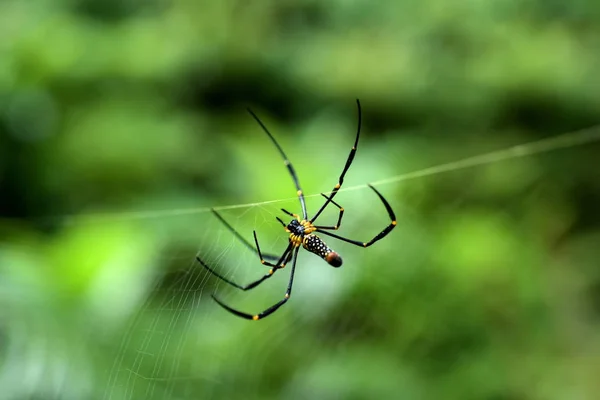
488 288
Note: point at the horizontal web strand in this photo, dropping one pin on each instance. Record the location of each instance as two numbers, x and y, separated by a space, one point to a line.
566 140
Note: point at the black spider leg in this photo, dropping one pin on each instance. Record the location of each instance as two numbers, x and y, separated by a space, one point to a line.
339 221
275 306
380 235
280 264
348 163
289 213
270 257
287 163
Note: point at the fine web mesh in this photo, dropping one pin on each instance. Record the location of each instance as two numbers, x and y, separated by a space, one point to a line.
177 345
152 360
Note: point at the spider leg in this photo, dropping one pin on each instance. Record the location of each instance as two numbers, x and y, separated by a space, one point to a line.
380 235
275 306
270 257
279 264
348 163
339 222
291 214
282 260
287 163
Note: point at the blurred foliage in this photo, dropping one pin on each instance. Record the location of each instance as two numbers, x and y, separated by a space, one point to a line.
489 287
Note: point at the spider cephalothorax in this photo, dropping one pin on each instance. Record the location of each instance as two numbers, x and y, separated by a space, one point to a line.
301 233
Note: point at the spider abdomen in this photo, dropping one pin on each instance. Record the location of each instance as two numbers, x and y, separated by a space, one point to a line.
315 245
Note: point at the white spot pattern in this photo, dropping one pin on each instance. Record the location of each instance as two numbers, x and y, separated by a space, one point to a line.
315 245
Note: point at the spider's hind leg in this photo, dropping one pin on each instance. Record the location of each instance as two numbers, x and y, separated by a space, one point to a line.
341 214
377 237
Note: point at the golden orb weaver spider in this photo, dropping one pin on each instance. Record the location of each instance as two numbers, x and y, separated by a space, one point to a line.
300 232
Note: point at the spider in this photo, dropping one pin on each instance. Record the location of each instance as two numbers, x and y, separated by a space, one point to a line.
301 232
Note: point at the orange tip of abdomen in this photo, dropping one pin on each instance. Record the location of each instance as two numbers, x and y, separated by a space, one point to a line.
333 259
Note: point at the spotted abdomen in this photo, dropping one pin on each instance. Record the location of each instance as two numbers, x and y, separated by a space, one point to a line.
315 245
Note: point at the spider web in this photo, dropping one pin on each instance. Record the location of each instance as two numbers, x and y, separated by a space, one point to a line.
179 344
152 360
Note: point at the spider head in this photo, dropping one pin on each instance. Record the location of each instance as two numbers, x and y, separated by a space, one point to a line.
296 228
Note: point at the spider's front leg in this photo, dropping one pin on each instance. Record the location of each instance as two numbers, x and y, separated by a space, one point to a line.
338 185
270 257
285 257
274 307
280 264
